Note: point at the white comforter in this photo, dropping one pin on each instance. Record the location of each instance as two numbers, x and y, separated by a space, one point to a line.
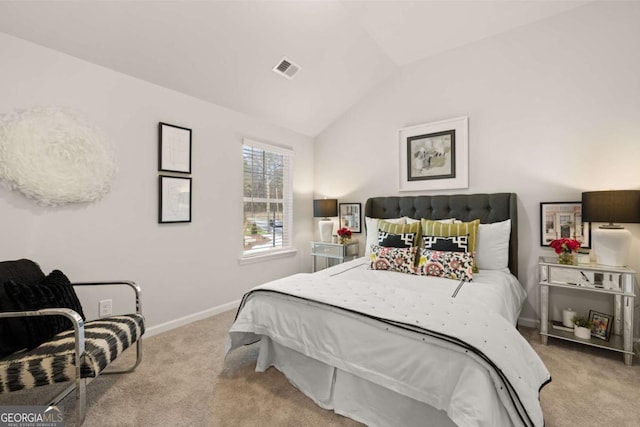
460 354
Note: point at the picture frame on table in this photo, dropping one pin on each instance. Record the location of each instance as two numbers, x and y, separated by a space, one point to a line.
601 325
563 220
434 156
175 197
351 216
174 148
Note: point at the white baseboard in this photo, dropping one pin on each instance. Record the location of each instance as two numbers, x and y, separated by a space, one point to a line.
172 324
529 323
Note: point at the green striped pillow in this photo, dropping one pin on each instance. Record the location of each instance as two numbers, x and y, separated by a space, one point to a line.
390 227
435 228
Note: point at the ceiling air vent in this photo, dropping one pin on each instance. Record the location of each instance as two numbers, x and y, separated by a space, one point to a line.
287 68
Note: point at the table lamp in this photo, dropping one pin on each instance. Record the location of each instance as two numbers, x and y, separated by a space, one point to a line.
325 208
611 242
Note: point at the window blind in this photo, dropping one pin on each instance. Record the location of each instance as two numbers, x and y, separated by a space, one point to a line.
267 198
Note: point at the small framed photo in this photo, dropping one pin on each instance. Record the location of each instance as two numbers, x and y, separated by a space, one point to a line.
434 156
175 199
601 325
350 216
563 220
174 151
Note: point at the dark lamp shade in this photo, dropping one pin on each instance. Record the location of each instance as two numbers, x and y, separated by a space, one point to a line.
622 206
325 208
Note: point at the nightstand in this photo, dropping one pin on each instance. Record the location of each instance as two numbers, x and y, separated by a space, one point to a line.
614 281
329 254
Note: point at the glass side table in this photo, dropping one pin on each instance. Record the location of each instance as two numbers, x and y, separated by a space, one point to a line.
325 254
590 278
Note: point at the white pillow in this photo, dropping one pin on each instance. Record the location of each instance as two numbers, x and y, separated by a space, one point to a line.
444 221
372 231
492 248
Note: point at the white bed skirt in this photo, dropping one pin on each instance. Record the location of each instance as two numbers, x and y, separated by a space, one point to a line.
385 373
347 394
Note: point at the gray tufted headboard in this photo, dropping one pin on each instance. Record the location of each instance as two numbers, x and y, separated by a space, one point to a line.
488 208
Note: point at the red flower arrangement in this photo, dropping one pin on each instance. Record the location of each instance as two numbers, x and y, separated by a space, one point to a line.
565 245
344 232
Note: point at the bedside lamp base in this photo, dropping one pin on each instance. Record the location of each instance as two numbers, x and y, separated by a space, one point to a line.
611 246
326 230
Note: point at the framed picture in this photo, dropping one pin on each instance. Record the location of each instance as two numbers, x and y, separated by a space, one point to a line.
175 199
601 325
563 220
350 216
434 156
174 151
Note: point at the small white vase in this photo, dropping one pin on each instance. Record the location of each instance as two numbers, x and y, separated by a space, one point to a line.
567 317
581 332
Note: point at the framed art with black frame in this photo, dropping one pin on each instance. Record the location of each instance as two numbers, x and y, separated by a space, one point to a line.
174 148
350 216
434 156
175 199
563 220
600 325
431 156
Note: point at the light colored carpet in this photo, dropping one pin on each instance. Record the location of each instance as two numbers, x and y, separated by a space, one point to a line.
184 381
269 399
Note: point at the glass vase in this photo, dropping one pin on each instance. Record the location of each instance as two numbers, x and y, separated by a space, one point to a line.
344 240
567 258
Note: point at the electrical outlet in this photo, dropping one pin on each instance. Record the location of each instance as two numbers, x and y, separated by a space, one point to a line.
105 308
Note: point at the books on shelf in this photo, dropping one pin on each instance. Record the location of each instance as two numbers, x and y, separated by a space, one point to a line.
556 324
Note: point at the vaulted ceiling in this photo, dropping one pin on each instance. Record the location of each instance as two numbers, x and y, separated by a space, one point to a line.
224 51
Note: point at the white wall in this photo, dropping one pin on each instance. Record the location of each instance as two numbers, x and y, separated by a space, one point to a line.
554 110
184 269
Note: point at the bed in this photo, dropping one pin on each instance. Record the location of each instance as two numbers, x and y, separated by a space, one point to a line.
388 348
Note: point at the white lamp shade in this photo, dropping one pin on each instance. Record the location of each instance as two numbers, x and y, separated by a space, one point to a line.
326 230
611 246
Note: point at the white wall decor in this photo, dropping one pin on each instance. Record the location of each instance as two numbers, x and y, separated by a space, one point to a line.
54 156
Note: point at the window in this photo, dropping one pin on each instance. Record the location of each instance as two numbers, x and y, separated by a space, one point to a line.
268 198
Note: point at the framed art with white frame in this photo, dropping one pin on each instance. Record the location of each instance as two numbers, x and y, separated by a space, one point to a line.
563 220
174 151
434 156
175 199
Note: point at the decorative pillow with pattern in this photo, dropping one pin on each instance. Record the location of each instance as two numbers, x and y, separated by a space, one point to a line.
390 240
435 228
393 259
371 225
448 244
401 229
451 265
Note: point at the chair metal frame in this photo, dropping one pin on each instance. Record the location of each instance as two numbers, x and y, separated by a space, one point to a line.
79 383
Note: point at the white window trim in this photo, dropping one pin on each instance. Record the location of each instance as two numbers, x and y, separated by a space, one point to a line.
280 252
269 147
266 256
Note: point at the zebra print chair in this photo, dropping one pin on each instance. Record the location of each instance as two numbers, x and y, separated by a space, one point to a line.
76 351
